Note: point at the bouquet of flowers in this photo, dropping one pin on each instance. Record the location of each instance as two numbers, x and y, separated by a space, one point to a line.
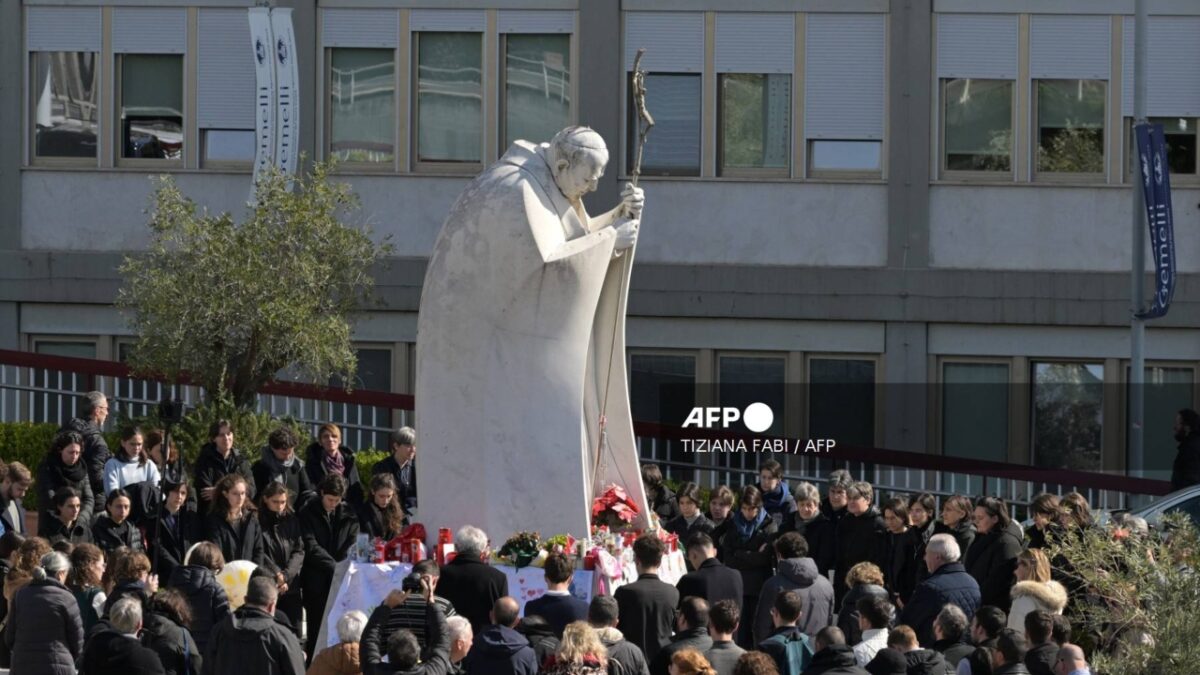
560 543
521 549
614 508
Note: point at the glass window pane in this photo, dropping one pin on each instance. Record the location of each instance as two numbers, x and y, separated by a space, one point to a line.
841 400
975 410
978 125
228 145
674 147
365 426
65 116
61 406
845 155
450 97
754 379
362 90
1068 415
662 389
1167 390
756 118
1070 116
1180 134
537 86
152 106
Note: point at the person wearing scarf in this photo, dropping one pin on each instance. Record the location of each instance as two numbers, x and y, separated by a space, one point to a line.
279 464
327 455
61 468
746 547
777 499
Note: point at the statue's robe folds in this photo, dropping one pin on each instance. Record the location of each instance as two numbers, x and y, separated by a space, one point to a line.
521 330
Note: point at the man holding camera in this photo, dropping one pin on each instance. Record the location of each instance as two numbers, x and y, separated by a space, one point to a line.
410 614
405 655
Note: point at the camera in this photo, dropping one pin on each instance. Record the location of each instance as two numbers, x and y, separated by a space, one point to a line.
171 412
411 583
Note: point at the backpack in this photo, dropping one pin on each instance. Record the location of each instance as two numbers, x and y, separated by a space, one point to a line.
797 649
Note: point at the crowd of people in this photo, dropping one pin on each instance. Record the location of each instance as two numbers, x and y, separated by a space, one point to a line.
782 579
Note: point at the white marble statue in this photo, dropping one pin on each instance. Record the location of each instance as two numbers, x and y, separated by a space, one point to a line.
521 332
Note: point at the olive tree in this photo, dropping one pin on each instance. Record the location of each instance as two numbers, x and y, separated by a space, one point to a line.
232 304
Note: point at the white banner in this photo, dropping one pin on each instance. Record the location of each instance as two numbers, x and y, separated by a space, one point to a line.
287 110
264 89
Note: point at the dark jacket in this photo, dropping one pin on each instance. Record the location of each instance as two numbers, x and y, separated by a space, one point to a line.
953 651
111 653
693 638
316 471
858 540
6 520
712 581
237 541
207 599
172 643
372 647
55 530
834 515
920 571
558 611
992 561
294 477
775 645
927 662
1040 659
329 538
373 521
540 635
1186 469
753 557
679 527
130 588
168 543
800 575
109 535
646 609
500 650
820 536
283 547
950 584
631 659
847 618
834 660
251 641
723 656
888 661
899 563
1012 669
662 501
963 533
406 481
95 454
43 631
472 587
211 468
53 475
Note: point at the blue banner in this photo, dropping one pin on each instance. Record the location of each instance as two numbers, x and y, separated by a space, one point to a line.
1156 184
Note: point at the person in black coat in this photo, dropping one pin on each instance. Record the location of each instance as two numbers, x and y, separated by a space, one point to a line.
860 534
280 464
330 528
327 455
720 512
231 524
711 580
174 531
865 580
114 650
899 550
65 524
992 558
381 516
173 467
402 465
647 606
834 504
747 548
690 520
14 484
816 528
660 497
777 498
1185 471
957 512
165 632
468 582
948 584
218 458
283 550
197 582
833 656
63 467
920 520
691 632
540 634
558 607
93 412
114 529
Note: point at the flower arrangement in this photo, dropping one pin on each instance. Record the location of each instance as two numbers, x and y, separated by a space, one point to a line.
560 543
520 550
614 508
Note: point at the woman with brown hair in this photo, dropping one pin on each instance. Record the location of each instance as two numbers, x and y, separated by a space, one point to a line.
114 529
130 465
196 580
992 557
165 631
171 463
63 467
755 663
579 653
86 582
328 455
746 547
381 516
131 578
956 522
865 580
283 550
1045 511
231 524
690 662
1035 590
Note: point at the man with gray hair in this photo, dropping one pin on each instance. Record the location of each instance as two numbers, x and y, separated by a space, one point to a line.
948 583
950 631
461 638
470 585
117 650
93 410
251 641
344 656
402 465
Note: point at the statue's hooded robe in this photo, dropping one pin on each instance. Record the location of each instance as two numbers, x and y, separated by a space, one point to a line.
521 331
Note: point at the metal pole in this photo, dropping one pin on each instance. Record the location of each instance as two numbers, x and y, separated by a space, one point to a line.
1137 334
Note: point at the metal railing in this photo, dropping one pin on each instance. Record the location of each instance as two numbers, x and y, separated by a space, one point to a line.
42 388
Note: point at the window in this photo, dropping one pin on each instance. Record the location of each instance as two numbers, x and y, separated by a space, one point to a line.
975 410
450 97
1166 391
362 106
1068 415
977 120
366 426
1070 126
228 145
537 86
853 156
662 390
756 120
65 97
151 106
841 400
1182 145
754 379
674 147
59 405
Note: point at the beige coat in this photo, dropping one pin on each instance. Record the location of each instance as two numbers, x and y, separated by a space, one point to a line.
1030 596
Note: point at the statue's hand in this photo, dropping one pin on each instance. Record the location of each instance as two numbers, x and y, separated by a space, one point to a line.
632 200
627 233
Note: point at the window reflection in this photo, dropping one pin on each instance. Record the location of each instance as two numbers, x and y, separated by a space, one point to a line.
65 115
362 88
537 86
152 106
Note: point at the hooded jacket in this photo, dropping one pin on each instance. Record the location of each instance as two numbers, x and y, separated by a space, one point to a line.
834 660
992 560
251 641
800 575
1030 596
500 650
95 454
1041 659
624 652
315 468
173 644
211 467
269 469
111 653
540 635
43 630
340 659
926 662
53 475
207 599
953 651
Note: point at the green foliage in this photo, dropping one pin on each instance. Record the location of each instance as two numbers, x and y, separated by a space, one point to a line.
234 304
1140 612
1072 150
366 460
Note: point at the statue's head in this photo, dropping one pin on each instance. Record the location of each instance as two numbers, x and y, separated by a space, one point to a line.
578 157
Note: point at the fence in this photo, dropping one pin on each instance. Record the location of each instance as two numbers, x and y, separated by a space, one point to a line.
42 388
